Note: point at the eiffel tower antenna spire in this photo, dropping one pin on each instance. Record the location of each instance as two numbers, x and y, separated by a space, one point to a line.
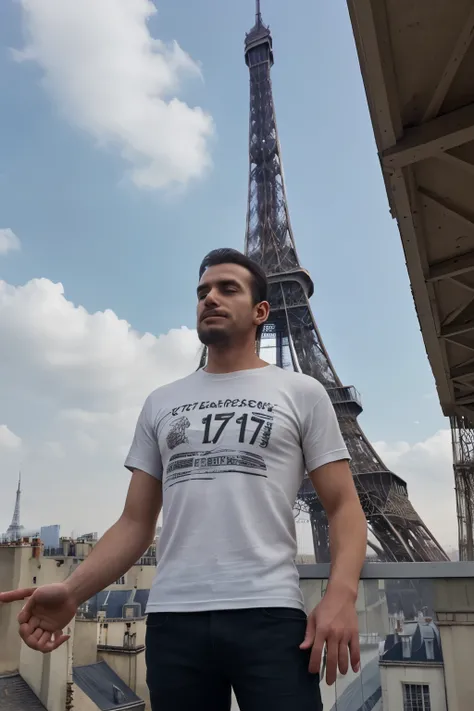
258 13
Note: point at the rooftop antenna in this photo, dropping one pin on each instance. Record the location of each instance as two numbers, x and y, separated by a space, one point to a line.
258 13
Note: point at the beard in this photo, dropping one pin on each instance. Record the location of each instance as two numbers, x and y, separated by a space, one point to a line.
213 336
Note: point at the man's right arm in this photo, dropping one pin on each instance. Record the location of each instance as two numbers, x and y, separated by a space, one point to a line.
124 543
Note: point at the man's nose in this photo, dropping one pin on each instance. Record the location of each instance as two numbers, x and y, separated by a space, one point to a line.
211 298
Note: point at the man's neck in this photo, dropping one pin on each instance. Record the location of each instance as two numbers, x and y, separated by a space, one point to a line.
230 360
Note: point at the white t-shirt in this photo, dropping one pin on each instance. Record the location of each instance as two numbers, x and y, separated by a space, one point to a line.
231 451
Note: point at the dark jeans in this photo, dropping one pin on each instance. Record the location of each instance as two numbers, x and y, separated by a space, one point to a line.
194 658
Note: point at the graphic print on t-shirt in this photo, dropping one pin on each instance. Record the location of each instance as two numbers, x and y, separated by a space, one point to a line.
249 421
177 434
205 466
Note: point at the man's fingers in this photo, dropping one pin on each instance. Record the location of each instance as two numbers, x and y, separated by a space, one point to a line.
331 660
28 636
310 633
44 641
52 644
37 634
354 650
28 628
317 652
15 595
343 657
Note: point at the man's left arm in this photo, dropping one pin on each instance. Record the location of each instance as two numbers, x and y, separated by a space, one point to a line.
334 621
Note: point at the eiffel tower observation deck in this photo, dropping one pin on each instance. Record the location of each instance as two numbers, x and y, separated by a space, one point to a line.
292 335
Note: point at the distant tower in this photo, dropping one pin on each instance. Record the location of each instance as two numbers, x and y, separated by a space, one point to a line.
15 529
291 338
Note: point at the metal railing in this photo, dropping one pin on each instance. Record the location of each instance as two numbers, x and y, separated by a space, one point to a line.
53 552
345 394
396 571
147 560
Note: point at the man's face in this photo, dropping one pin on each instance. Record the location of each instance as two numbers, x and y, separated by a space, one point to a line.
225 311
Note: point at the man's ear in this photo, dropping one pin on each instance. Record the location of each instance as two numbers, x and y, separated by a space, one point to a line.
262 312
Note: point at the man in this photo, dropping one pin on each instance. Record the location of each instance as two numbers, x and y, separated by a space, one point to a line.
224 451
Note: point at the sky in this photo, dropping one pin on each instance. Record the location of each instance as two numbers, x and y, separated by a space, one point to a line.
123 161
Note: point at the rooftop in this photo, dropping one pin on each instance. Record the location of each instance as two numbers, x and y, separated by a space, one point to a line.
413 641
16 695
107 690
112 602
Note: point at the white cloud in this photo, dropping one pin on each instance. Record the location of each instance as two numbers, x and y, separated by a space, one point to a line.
110 77
8 439
9 242
94 360
74 383
427 467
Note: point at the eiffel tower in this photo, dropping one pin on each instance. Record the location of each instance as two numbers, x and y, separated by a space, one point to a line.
293 338
15 528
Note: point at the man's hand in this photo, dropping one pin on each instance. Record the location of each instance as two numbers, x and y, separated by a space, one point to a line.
333 622
48 610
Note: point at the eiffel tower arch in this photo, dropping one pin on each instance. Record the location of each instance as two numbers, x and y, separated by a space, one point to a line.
292 336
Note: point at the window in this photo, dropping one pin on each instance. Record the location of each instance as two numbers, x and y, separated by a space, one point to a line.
416 697
406 647
120 581
429 647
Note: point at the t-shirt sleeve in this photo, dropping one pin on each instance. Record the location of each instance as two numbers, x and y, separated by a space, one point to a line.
145 453
321 435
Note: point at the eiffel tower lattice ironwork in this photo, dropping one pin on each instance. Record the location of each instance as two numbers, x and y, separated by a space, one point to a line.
293 337
15 528
462 432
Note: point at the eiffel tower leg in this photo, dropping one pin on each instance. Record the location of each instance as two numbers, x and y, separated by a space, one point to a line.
463 456
392 543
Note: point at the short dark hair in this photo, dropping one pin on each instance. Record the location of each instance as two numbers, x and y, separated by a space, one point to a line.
226 255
